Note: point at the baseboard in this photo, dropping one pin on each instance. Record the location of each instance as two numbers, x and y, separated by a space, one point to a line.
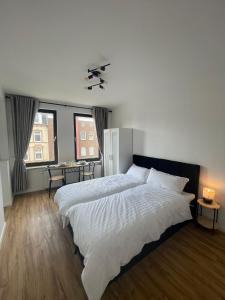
8 203
32 191
2 234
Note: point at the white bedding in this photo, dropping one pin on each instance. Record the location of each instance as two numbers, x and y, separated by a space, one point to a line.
90 190
111 231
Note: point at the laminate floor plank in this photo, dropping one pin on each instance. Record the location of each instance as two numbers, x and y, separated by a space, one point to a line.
38 263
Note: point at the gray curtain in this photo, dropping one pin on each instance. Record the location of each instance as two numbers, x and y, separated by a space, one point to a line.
23 110
100 115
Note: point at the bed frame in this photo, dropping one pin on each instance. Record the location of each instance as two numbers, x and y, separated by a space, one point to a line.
190 171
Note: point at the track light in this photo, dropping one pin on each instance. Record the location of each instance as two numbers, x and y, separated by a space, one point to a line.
102 68
95 73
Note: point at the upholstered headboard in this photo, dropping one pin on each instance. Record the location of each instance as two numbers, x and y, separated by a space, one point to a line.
190 171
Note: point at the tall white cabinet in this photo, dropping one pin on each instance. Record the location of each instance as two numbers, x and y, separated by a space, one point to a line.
118 150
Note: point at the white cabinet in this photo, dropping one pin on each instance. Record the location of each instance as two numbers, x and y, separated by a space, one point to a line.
118 150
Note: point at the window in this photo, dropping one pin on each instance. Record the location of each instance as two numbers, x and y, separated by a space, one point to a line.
86 143
83 135
38 154
37 119
91 151
37 136
83 151
26 157
43 143
91 135
44 119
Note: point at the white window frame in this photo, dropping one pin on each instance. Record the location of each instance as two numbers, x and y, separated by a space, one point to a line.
39 151
91 136
26 159
35 132
38 118
83 135
82 148
91 152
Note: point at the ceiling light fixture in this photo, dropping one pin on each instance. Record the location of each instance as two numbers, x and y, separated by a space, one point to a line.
102 68
95 73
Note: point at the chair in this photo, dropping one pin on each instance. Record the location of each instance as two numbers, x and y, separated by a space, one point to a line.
53 178
91 171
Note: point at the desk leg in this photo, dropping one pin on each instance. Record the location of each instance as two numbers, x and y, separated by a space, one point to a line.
65 177
214 218
197 212
217 211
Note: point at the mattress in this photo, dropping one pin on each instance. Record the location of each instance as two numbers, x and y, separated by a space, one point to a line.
111 231
91 190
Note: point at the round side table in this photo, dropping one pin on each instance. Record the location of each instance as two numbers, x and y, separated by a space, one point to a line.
204 221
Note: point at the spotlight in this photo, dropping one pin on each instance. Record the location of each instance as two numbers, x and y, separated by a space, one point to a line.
96 73
89 87
101 86
102 80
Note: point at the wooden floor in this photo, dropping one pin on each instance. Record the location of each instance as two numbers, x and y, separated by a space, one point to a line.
37 261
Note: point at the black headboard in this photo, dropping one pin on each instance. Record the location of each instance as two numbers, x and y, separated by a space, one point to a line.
190 171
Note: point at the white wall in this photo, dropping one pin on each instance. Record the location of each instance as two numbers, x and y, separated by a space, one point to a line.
38 176
180 114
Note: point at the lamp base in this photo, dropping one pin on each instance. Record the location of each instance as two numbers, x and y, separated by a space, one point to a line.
207 201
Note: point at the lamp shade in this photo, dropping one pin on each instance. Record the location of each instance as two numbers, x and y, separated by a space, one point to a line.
208 193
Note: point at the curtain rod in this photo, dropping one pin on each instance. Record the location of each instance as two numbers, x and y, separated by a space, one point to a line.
52 103
68 105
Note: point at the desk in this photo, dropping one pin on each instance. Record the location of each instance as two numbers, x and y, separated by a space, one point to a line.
70 167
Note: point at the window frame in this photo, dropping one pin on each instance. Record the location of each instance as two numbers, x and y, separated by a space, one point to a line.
37 131
75 138
45 163
91 147
39 152
85 133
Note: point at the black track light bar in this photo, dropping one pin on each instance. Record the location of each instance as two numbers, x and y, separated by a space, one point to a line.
97 84
102 68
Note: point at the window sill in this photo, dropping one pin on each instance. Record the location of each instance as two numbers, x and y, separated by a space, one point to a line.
36 167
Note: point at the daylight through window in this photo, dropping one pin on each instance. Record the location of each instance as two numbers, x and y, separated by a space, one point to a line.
42 148
86 143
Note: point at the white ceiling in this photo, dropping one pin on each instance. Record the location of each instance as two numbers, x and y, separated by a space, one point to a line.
46 46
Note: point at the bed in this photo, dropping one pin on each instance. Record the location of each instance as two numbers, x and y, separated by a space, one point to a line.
115 231
91 190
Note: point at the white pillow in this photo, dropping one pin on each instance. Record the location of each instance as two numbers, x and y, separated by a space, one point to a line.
167 181
139 173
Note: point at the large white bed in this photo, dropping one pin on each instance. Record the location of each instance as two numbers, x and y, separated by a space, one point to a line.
91 190
111 231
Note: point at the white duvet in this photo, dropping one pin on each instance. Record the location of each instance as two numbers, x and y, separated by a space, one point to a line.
90 190
111 231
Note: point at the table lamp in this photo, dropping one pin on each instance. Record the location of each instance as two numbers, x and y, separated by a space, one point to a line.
208 195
